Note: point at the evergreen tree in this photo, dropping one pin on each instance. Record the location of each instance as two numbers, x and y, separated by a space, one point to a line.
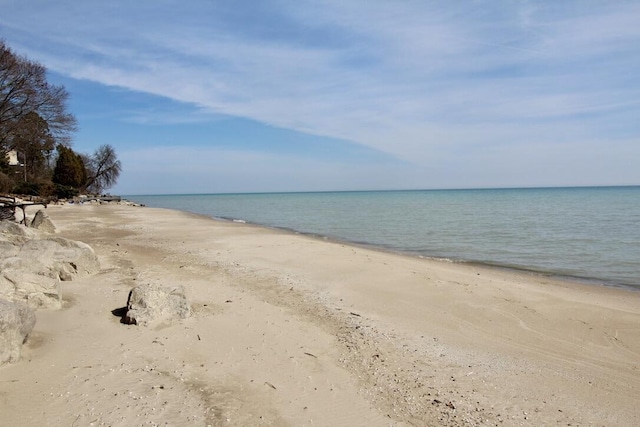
69 170
34 143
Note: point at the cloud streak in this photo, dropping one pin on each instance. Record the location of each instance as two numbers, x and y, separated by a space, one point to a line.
422 81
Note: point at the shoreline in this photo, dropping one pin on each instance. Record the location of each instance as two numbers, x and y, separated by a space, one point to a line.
293 330
583 280
517 230
559 278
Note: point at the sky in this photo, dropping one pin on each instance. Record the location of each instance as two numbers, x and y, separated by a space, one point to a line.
219 96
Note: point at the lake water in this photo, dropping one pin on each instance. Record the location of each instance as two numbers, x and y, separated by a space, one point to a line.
591 234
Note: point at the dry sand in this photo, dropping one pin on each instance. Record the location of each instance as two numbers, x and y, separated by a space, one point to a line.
292 330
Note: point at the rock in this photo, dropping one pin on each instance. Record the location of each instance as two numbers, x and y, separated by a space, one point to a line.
152 304
16 323
62 258
7 213
15 233
33 263
42 222
8 249
36 290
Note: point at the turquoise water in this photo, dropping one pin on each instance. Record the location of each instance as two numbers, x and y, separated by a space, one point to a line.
582 233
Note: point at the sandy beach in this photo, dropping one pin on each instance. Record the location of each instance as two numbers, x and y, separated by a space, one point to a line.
290 330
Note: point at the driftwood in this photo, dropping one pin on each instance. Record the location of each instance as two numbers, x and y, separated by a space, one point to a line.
8 205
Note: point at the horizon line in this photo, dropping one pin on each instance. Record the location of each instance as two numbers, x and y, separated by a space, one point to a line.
390 190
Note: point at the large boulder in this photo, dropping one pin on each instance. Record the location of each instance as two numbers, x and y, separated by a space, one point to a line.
36 290
8 249
152 304
16 323
61 258
32 264
42 222
15 233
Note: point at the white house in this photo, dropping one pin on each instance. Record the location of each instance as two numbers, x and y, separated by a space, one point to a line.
12 156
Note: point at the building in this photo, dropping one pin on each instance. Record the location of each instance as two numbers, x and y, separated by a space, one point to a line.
12 156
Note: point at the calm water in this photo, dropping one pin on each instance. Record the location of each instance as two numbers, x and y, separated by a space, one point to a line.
585 233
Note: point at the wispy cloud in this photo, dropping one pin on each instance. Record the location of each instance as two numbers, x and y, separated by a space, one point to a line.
422 81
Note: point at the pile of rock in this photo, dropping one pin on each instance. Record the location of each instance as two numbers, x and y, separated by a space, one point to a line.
33 262
97 200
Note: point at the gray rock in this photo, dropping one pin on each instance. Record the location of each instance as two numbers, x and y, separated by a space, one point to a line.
32 264
151 304
36 290
16 323
62 258
42 222
15 233
8 249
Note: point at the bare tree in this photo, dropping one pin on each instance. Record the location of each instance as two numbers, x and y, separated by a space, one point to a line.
103 169
23 90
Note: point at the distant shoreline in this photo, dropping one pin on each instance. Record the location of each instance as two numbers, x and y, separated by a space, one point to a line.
127 196
261 210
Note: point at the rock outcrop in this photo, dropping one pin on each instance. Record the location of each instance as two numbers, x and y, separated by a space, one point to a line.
16 323
33 263
152 304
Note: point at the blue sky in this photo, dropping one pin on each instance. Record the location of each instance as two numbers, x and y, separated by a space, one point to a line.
213 96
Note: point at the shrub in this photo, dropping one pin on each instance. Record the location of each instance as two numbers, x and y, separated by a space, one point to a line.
65 191
27 188
6 183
